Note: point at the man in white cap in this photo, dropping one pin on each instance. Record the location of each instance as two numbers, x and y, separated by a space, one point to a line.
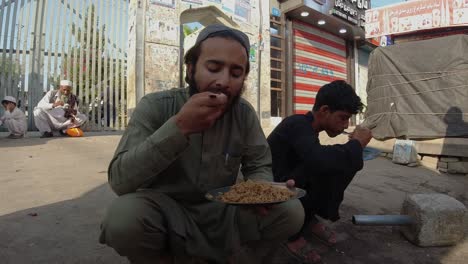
13 118
58 110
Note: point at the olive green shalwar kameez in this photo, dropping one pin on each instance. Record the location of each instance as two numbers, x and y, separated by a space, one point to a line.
161 178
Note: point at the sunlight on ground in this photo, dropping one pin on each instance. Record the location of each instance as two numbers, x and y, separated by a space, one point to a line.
457 254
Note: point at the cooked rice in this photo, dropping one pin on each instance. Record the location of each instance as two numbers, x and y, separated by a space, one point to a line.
256 192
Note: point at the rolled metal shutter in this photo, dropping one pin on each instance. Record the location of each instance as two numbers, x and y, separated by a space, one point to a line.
319 58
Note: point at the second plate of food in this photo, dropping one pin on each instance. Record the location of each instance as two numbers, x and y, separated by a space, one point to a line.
255 193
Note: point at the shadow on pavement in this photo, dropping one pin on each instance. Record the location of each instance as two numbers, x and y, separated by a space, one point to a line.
63 232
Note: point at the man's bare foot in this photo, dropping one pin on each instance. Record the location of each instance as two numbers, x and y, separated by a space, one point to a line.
323 233
300 248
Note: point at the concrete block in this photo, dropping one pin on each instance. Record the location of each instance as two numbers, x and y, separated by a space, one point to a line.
449 159
430 161
439 220
458 167
442 165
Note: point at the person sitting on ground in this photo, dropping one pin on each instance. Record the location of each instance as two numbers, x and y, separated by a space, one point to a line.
181 143
324 171
13 118
58 110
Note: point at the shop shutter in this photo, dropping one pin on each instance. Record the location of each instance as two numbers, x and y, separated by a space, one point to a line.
319 58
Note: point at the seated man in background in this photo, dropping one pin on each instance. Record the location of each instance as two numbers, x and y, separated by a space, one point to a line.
13 118
324 171
183 142
58 110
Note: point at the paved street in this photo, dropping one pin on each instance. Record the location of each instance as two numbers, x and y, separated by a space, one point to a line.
54 194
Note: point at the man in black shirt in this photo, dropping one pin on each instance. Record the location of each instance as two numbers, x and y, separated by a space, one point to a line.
324 171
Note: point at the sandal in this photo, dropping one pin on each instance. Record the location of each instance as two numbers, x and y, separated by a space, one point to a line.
323 233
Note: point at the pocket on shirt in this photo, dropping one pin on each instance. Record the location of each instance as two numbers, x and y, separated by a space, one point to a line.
231 163
224 172
228 167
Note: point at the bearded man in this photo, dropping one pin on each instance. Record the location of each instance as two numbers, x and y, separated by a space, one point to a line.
183 142
58 111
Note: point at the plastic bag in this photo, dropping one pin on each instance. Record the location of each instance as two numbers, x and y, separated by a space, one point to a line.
370 153
74 132
404 152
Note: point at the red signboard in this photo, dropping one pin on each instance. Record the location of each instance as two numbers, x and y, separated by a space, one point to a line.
416 15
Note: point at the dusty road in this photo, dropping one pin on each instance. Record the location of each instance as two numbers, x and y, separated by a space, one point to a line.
54 194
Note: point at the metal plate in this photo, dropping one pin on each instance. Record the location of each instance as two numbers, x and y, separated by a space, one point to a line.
214 195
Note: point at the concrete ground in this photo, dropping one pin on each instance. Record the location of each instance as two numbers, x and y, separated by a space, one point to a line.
54 194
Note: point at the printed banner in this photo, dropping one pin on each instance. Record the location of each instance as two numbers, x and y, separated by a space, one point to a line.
416 15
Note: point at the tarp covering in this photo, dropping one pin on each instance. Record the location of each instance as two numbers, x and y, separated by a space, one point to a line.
419 89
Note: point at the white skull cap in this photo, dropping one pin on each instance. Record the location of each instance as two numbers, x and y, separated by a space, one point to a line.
9 99
66 83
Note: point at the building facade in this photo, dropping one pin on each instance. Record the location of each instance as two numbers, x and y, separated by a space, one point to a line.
158 40
322 41
296 47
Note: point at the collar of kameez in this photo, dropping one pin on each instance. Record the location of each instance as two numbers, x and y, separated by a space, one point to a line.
310 117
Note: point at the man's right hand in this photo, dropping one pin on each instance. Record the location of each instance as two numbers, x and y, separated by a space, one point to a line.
200 112
57 104
362 134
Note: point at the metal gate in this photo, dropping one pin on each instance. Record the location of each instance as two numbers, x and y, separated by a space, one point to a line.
44 41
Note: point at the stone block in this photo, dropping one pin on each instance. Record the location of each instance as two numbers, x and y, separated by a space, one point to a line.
442 165
458 167
439 220
430 161
390 155
449 159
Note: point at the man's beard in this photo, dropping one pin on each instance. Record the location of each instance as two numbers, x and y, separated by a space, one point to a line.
194 89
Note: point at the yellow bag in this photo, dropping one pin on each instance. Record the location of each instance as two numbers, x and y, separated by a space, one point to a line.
74 132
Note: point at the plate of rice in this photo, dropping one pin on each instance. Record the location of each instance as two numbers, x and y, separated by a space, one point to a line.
255 193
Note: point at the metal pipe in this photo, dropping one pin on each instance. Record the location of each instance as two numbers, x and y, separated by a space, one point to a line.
382 220
259 61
